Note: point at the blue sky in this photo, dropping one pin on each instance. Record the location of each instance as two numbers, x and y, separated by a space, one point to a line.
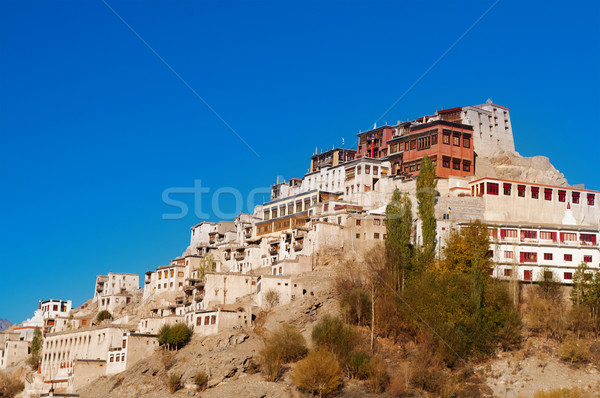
95 127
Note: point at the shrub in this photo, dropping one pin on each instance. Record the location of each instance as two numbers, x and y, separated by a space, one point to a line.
36 349
562 393
356 305
398 386
358 365
201 379
574 350
10 386
102 315
174 336
272 298
319 373
331 334
377 374
174 382
283 345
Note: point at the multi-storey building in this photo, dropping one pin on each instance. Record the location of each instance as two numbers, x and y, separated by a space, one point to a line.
332 157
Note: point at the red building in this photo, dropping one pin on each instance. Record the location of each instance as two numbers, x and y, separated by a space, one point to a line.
449 145
373 143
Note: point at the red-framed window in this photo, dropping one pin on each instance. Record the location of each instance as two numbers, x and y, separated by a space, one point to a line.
507 188
591 197
568 257
493 188
508 254
508 233
575 197
521 190
548 193
548 256
547 235
535 192
568 276
589 239
568 237
528 257
562 196
527 275
587 259
507 272
528 234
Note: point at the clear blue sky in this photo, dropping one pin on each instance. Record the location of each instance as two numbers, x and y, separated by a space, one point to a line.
95 127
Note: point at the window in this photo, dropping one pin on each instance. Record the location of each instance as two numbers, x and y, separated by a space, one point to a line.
548 235
587 259
507 272
413 144
112 358
434 139
466 166
492 188
548 193
535 192
527 275
358 170
466 142
576 197
180 274
528 234
587 239
507 188
358 222
376 221
423 143
206 320
562 195
357 236
376 235
456 164
568 237
508 233
367 169
568 276
568 257
528 257
548 256
456 140
521 190
446 139
508 254
406 146
590 197
213 319
446 163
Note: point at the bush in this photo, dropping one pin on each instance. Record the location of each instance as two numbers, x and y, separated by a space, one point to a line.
102 315
36 349
201 379
562 393
174 382
377 374
574 350
331 334
174 336
398 386
283 345
319 373
356 305
10 386
358 365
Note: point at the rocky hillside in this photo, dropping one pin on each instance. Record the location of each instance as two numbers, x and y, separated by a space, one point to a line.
512 166
4 324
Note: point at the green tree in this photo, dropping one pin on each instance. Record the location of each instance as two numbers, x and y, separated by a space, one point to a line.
397 244
330 333
581 282
102 315
426 196
174 336
207 264
36 348
467 249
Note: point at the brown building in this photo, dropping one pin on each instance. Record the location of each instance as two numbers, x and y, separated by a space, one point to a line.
332 158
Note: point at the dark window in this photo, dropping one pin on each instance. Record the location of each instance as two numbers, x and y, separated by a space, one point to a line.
423 143
376 235
446 139
527 275
527 234
466 142
568 275
590 197
456 164
357 222
434 139
548 193
568 257
413 144
507 272
535 192
548 256
466 166
492 188
521 190
576 197
562 195
446 163
456 140
528 257
587 259
507 187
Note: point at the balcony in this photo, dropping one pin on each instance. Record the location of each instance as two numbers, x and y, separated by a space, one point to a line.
273 251
239 255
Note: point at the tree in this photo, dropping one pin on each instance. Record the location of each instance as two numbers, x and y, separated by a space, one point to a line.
468 249
36 348
174 336
319 373
272 298
581 283
426 196
331 334
398 230
102 315
207 264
